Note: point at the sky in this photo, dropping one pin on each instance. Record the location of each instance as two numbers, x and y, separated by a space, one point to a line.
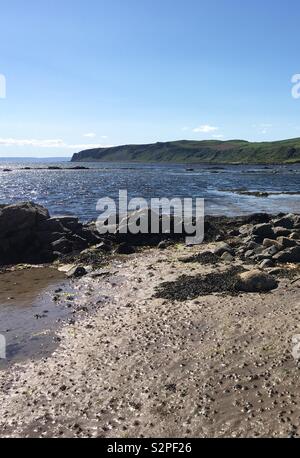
79 74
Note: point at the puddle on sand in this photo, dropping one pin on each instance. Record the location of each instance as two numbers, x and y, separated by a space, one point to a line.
28 314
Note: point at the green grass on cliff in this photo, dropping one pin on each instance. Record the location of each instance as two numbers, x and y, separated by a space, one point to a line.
208 151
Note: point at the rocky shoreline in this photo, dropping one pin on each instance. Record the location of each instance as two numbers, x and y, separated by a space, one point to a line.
29 234
170 340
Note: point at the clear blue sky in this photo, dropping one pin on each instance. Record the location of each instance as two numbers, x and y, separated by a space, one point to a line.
129 71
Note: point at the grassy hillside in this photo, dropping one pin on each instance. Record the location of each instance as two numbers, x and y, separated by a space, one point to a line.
208 151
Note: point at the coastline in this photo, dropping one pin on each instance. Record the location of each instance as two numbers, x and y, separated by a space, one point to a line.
143 366
135 363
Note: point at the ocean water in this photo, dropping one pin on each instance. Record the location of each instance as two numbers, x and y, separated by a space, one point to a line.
75 192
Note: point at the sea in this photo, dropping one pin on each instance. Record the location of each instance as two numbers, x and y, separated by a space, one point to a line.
67 191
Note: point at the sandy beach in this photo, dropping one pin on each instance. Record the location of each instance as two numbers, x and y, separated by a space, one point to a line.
136 365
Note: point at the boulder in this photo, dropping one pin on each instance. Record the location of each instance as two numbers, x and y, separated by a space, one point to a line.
288 255
258 218
21 216
28 234
287 222
286 242
256 281
281 231
263 231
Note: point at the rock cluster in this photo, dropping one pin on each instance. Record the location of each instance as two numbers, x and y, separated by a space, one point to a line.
268 243
29 234
277 241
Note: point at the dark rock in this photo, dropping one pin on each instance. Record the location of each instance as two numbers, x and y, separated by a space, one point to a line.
288 255
47 237
286 242
266 263
42 256
76 272
123 248
79 243
106 247
270 251
262 257
295 236
21 216
62 245
263 231
286 222
52 225
258 218
89 234
281 232
69 222
79 167
164 244
234 233
252 245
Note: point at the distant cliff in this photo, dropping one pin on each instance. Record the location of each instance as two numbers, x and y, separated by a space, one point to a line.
208 151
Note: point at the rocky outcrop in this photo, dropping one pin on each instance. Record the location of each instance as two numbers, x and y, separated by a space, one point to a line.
29 234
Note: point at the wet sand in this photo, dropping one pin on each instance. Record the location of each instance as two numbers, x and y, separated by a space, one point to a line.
29 315
138 365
